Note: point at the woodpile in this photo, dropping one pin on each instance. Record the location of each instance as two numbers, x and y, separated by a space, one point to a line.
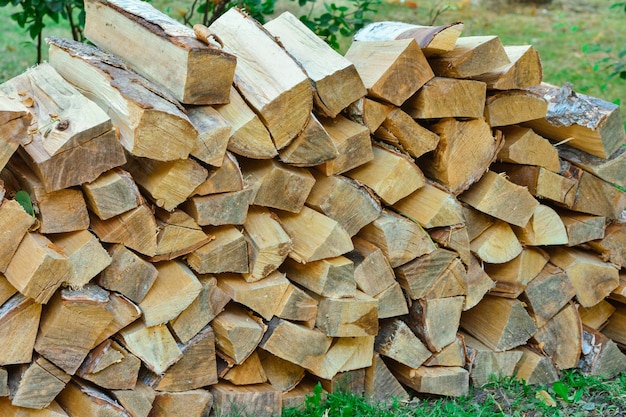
224 217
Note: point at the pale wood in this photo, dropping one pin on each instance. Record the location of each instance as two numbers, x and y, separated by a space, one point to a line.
582 228
281 374
590 124
237 333
124 313
352 141
525 70
400 239
447 97
476 221
313 146
368 112
178 235
471 56
15 223
135 105
560 338
372 272
601 356
614 328
136 229
249 137
314 236
401 68
225 178
356 316
436 321
511 107
278 185
392 302
466 149
110 366
19 321
112 193
296 397
297 305
175 287
534 368
477 283
352 382
198 73
611 169
431 206
71 325
595 317
128 273
38 268
619 293
454 238
523 146
266 76
262 296
220 209
192 403
138 402
80 399
260 400
155 346
396 341
497 244
346 354
228 252
332 277
335 81
592 278
14 119
213 134
450 381
400 130
6 289
381 385
249 372
450 355
484 363
544 228
53 410
343 200
499 323
612 246
209 303
513 277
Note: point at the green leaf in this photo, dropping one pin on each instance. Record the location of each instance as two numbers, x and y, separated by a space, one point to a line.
561 390
23 198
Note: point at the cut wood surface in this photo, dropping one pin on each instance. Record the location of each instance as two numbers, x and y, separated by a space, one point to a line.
471 56
523 146
447 97
525 70
400 130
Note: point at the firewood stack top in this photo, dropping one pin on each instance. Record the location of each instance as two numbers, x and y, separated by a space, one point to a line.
220 218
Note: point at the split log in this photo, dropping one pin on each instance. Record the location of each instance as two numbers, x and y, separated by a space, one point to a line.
601 356
450 355
112 193
395 340
561 337
138 402
352 382
6 289
614 328
228 252
297 305
392 302
444 97
611 170
368 112
498 244
261 400
81 399
596 317
296 398
15 222
525 70
431 207
477 283
401 68
313 146
345 354
192 403
510 107
352 141
237 333
178 235
582 228
19 321
454 238
86 254
535 368
356 316
220 209
213 134
619 293
155 346
525 147
223 179
471 56
200 73
512 277
281 374
544 228
381 385
332 277
484 362
15 120
400 130
436 321
110 366
124 313
612 246
248 372
372 272
53 410
450 381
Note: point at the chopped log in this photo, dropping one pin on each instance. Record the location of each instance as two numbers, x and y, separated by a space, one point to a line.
127 273
136 229
314 236
343 200
601 356
523 146
560 338
228 252
4 383
174 289
544 228
14 119
614 328
192 403
392 302
381 173
437 274
14 222
86 254
525 70
213 134
71 325
140 109
471 56
110 366
498 244
346 354
476 221
477 283
138 401
510 107
124 313
277 185
513 277
210 302
534 368
372 271
582 228
449 164
592 279
401 68
295 343
80 399
199 73
281 374
450 355
335 81
261 400
6 289
313 146
195 369
112 193
396 341
502 199
611 170
220 209
308 388
249 372
450 381
448 97
611 246
53 410
249 137
348 317
619 293
484 363
368 112
436 321
260 296
500 323
400 239
400 130
432 39
178 235
155 346
266 76
38 267
381 385
596 317
332 277
223 179
351 382
454 238
431 207
297 305
19 321
237 333
589 124
352 141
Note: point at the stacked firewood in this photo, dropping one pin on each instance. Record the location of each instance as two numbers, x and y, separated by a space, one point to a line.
218 219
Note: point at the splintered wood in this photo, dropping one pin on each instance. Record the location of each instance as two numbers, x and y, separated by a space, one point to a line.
222 219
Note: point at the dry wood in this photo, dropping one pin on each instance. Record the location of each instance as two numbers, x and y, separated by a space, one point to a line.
450 355
356 316
447 97
19 321
335 81
14 119
53 410
110 366
561 338
471 56
535 368
436 321
350 382
237 333
112 193
372 271
368 112
352 141
260 296
431 206
619 293
510 107
400 70
297 305
477 283
525 70
192 403
523 146
392 302
466 149
4 383
155 346
601 356
454 238
395 340
380 384
124 313
281 374
450 381
6 289
266 76
582 228
14 222
612 246
590 124
138 402
248 372
596 317
178 235
332 277
225 178
544 228
261 400
400 130
345 354
198 73
81 399
220 209
313 146
213 134
513 277
485 362
498 244
296 397
614 328
612 169
228 252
